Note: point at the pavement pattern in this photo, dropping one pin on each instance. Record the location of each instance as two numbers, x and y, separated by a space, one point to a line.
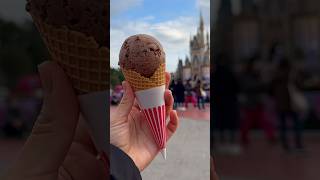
188 149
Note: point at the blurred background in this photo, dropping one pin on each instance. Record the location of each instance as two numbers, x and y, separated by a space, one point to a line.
265 93
21 50
182 27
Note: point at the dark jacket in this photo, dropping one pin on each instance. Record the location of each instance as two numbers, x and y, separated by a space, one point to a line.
179 91
122 166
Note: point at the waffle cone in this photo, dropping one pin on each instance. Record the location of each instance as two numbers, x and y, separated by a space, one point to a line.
139 82
85 63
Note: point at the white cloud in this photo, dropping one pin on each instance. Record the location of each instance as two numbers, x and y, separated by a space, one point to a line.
119 6
173 34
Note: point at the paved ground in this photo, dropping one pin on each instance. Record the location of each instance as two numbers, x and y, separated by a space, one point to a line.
188 148
188 154
262 161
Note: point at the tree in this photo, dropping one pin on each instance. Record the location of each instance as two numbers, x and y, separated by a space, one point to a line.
21 50
116 77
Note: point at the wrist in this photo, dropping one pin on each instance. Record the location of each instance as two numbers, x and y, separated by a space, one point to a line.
137 161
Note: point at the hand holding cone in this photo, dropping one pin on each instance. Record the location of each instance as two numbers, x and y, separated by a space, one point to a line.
131 132
142 62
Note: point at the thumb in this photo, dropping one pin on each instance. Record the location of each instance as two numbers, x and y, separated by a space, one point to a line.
53 132
127 101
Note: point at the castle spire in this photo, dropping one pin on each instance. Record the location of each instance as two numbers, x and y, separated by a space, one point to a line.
201 23
208 40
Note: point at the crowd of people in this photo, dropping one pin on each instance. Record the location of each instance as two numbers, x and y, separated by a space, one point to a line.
196 93
266 96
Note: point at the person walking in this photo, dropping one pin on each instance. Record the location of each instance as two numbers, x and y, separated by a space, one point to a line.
179 91
282 85
172 87
253 105
225 109
189 94
200 95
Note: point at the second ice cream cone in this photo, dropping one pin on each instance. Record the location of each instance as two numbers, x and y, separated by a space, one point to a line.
86 64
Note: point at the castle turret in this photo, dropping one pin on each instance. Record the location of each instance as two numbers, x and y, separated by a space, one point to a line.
201 27
201 37
187 62
208 40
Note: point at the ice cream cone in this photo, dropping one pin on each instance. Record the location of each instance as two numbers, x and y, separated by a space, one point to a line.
85 63
87 66
139 82
150 95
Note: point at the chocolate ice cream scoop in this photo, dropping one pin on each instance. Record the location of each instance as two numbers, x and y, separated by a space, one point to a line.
141 53
90 17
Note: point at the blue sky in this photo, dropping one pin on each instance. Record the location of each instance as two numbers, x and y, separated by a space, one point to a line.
170 21
163 10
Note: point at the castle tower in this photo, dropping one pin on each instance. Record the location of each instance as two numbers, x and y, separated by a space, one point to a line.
198 61
197 50
201 30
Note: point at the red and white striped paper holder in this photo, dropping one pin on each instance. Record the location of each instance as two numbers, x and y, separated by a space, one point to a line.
151 102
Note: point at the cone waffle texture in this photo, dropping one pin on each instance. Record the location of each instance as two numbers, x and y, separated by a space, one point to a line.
139 82
85 63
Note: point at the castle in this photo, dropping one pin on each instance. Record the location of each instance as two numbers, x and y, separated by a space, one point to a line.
197 67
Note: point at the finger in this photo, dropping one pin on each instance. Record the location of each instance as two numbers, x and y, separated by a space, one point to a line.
53 132
173 124
168 78
168 99
127 101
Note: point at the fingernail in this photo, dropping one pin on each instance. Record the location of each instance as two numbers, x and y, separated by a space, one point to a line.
46 78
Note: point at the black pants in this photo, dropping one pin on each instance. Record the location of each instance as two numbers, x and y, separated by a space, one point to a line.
297 128
225 117
200 102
